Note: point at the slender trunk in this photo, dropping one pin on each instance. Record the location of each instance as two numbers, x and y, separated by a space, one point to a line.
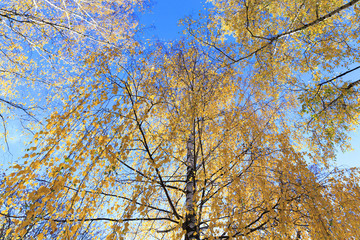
190 217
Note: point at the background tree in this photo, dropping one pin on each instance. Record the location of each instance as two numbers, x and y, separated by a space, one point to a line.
181 142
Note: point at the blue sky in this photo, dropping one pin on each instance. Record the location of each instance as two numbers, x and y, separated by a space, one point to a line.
351 158
164 17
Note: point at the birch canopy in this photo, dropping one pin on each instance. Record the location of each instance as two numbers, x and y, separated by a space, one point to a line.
229 133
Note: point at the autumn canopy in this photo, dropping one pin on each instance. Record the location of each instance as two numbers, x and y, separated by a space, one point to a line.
229 132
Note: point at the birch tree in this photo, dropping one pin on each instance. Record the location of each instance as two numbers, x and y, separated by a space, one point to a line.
187 140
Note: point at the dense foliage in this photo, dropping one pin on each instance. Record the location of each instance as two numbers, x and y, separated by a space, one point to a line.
229 133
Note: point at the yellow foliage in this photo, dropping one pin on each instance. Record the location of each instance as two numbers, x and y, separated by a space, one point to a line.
217 136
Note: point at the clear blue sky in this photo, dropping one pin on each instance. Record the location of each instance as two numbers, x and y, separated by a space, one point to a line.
351 158
165 14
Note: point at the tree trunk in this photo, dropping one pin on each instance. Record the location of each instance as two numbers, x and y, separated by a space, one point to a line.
190 217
